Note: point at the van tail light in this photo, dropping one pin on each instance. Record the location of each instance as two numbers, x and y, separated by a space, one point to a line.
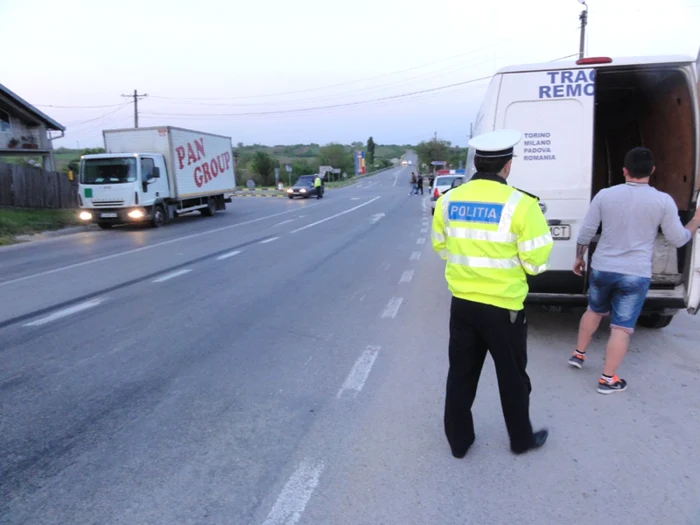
593 60
436 193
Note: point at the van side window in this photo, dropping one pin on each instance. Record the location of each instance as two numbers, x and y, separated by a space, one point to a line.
147 166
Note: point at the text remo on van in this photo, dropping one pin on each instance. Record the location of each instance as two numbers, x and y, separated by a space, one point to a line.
568 84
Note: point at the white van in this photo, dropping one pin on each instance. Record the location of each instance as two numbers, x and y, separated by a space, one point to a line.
578 120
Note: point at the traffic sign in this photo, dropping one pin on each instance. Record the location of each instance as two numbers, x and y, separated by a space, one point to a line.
288 168
438 163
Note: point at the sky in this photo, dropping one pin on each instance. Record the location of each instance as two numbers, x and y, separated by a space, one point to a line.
280 72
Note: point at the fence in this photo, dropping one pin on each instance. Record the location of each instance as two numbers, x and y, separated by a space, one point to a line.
29 187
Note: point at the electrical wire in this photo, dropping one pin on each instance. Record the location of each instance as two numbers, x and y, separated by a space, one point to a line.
76 107
279 94
121 106
302 110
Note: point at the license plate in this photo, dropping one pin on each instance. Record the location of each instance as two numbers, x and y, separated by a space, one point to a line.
560 232
108 215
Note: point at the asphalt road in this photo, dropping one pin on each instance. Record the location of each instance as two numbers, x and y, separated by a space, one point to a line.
284 362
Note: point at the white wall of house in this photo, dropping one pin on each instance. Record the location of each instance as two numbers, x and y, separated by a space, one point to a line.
17 129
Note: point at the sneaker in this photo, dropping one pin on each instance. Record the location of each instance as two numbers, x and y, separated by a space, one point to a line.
577 359
610 387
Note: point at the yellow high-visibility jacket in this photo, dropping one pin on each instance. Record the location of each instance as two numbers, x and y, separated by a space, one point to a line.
491 236
317 182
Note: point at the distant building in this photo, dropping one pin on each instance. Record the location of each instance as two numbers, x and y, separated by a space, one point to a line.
24 130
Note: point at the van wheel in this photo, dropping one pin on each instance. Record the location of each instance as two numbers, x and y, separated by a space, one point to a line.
159 217
655 320
210 210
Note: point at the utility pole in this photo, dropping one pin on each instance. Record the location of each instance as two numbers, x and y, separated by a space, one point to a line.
136 98
583 17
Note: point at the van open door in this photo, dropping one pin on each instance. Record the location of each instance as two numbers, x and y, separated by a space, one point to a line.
692 293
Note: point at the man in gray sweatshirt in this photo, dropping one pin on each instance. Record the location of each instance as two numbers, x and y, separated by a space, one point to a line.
620 274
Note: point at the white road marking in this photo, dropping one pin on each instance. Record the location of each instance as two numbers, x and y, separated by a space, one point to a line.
424 230
406 276
269 240
144 248
392 307
415 256
60 314
396 179
171 275
420 240
283 222
296 494
376 217
334 216
360 372
355 198
227 255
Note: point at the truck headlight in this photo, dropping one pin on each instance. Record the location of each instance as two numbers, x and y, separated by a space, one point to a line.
136 214
85 216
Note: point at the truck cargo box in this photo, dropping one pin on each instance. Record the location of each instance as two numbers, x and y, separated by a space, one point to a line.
199 164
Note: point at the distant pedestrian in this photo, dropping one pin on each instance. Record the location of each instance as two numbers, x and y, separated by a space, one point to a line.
420 184
620 274
414 184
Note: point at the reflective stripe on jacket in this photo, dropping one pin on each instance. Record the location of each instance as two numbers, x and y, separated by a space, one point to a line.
490 235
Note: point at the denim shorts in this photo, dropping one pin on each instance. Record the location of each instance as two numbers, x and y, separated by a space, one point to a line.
619 294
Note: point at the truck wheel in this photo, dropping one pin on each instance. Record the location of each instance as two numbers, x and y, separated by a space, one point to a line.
655 320
210 210
159 217
105 225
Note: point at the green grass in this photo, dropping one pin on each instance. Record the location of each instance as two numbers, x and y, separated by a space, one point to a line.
15 222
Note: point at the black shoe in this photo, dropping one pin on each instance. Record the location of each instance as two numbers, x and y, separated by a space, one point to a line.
460 453
539 438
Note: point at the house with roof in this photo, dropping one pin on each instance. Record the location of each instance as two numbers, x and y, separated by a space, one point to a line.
24 130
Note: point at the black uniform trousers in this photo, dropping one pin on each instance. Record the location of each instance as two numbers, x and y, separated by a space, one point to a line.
476 328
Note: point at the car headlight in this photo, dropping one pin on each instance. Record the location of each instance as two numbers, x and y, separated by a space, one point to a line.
302 190
85 215
290 190
136 214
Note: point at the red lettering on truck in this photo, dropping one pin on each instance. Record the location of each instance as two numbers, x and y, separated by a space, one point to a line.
194 153
209 169
180 156
207 173
199 146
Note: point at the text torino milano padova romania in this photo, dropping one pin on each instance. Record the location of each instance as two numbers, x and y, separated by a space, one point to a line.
208 169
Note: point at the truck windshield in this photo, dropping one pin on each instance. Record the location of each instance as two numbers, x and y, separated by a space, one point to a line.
108 171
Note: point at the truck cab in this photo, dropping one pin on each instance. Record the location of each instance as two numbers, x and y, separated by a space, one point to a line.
117 188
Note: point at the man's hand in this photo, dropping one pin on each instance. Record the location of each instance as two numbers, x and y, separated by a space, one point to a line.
579 266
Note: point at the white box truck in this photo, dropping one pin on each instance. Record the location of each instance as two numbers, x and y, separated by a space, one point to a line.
152 175
578 121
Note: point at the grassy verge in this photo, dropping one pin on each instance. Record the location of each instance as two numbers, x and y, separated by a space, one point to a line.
15 222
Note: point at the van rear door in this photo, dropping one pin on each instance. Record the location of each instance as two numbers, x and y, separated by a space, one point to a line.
554 109
692 292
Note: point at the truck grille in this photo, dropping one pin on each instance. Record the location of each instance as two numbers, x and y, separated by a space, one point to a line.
107 204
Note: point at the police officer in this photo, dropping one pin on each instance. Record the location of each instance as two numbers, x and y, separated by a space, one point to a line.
491 236
318 185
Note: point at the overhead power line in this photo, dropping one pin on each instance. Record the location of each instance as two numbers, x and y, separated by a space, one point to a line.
77 107
315 108
351 82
